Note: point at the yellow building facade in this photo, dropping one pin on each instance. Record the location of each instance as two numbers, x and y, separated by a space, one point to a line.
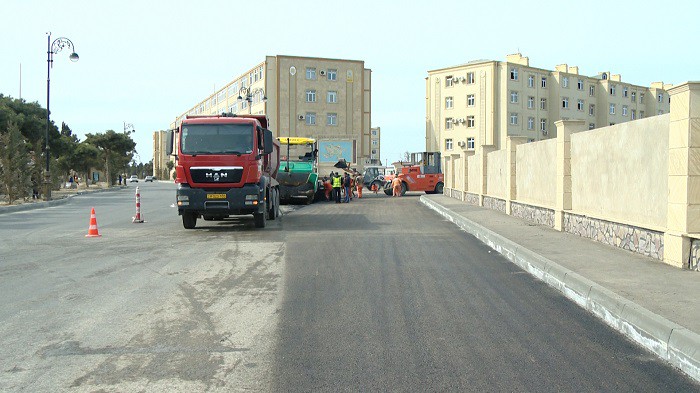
325 99
483 102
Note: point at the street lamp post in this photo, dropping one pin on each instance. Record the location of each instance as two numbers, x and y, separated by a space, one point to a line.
245 93
52 48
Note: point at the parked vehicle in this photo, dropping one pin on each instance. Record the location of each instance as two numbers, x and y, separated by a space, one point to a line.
298 172
377 175
422 173
225 165
148 178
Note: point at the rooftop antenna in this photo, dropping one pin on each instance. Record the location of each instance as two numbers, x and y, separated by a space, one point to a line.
20 81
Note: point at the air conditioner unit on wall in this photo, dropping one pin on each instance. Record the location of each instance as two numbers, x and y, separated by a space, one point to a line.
301 117
461 143
545 132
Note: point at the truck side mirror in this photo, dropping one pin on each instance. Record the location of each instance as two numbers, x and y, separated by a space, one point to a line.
268 143
169 143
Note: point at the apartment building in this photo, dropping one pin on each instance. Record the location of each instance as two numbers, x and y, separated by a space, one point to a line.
325 99
482 102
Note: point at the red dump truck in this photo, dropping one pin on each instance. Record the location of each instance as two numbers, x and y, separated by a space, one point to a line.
225 165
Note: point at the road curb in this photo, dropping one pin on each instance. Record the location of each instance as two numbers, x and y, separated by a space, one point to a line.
668 340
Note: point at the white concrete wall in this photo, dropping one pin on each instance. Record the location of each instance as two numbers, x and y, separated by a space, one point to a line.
620 173
536 171
474 173
497 174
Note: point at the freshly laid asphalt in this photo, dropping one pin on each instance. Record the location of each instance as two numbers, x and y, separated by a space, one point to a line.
655 305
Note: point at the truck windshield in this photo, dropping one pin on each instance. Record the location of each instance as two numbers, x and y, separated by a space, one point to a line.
298 153
217 139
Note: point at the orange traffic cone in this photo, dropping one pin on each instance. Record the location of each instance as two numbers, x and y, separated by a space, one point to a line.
92 230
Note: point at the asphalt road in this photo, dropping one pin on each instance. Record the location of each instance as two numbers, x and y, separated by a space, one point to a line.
376 295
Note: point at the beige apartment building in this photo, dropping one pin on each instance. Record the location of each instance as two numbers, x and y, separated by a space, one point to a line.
482 102
325 99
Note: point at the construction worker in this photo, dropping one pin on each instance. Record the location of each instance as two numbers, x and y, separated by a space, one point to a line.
359 183
337 182
327 188
396 185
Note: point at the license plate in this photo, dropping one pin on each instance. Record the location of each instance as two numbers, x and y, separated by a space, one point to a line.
216 196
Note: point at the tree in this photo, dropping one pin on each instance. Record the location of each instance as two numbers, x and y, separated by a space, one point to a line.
14 164
116 151
86 156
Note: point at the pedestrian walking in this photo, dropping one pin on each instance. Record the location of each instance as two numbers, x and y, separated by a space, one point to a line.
120 180
346 185
327 188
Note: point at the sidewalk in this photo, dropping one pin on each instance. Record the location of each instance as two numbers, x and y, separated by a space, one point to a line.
58 197
655 305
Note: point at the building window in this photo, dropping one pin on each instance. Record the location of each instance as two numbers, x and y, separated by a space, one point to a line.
543 104
624 110
513 74
661 98
591 126
625 91
531 81
530 123
332 75
332 119
310 118
544 82
580 105
565 82
634 96
513 97
612 89
448 81
471 123
470 78
565 102
513 119
470 100
470 143
591 91
634 114
374 132
591 110
530 102
449 124
543 125
310 73
641 98
580 84
641 114
332 97
449 102
612 109
448 144
375 143
311 96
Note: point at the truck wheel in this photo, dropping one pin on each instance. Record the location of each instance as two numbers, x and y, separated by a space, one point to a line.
275 204
404 188
438 188
388 190
189 220
261 218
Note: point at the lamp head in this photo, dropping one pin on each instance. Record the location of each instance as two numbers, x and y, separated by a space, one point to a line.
73 57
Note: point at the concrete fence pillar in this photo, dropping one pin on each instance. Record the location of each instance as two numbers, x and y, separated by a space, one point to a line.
683 173
564 130
467 154
512 143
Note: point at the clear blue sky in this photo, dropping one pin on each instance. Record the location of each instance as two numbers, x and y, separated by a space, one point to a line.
144 62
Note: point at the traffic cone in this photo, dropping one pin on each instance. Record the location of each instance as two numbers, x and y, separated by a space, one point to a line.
92 230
